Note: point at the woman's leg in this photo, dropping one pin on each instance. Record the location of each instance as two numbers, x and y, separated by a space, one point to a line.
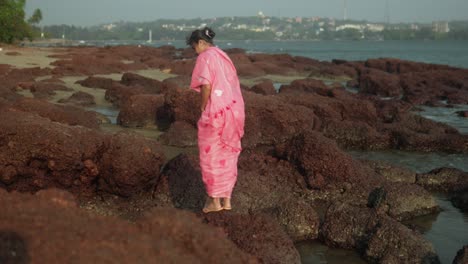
212 205
227 203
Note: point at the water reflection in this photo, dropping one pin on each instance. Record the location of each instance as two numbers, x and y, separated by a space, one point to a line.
315 252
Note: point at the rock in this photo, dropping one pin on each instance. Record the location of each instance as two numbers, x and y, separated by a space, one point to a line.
392 242
379 238
257 235
118 94
462 256
307 85
80 99
265 88
129 164
44 90
140 110
97 82
168 235
180 134
151 85
348 227
40 154
353 84
355 135
412 132
249 70
406 201
273 69
391 65
269 120
462 113
460 200
65 114
265 184
182 105
444 179
380 83
178 81
332 166
391 172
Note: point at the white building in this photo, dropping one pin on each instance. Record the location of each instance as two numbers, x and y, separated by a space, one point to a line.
375 27
440 26
350 26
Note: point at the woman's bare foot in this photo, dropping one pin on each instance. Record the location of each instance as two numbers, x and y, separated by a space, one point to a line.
227 204
212 205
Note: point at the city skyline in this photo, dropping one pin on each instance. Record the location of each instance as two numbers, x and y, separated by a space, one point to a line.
88 13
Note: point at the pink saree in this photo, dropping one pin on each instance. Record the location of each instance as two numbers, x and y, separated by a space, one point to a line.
221 125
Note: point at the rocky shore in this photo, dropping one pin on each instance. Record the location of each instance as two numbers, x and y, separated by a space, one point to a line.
133 191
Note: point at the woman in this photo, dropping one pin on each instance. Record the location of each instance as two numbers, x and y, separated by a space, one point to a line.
221 125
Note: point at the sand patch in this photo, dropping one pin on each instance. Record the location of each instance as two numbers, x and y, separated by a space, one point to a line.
28 57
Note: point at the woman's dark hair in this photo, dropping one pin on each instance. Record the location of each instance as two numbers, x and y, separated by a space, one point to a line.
206 33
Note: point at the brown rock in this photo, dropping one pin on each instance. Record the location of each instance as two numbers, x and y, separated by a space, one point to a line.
270 120
265 88
97 82
80 99
380 83
168 235
65 114
462 256
40 154
180 134
406 201
444 179
42 89
332 166
391 172
257 235
129 164
151 85
140 110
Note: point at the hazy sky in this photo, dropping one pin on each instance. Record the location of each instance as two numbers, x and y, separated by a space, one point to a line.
93 12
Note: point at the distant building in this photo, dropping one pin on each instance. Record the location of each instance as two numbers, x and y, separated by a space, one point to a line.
350 26
440 27
260 14
109 26
414 27
299 20
375 27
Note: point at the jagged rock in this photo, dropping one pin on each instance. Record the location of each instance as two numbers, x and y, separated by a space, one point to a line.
258 235
168 235
462 256
80 99
65 114
265 88
444 179
140 110
180 134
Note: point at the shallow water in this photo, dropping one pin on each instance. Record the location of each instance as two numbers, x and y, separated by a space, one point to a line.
447 230
314 252
447 115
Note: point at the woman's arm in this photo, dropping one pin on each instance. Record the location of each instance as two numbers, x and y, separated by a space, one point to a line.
205 95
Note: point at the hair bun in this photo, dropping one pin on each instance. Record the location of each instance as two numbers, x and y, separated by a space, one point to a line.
209 33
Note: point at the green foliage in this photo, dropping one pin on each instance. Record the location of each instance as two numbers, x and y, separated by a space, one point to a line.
12 21
36 17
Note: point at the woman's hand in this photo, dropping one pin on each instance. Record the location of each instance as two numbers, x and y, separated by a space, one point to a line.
205 95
